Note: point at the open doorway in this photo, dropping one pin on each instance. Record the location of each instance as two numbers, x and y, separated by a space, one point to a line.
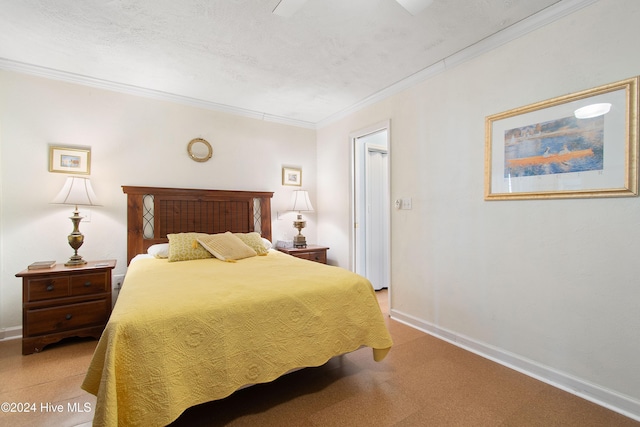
370 241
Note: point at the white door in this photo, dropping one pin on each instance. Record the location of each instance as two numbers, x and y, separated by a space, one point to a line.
377 216
370 206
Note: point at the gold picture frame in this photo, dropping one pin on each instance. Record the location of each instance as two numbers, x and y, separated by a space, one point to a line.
69 160
292 176
556 148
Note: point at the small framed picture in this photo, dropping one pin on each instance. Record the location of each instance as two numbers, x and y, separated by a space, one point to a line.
291 176
70 160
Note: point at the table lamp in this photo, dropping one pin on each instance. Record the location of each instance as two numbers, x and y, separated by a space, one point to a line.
76 192
300 202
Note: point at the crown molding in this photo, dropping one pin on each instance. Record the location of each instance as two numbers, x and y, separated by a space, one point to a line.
80 79
532 23
513 32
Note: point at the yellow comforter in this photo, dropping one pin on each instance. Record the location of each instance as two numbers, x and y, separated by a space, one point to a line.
185 333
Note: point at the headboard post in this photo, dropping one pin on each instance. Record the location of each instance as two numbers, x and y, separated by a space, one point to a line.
265 217
134 225
181 210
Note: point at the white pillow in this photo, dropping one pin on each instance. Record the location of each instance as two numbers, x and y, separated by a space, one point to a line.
267 244
160 250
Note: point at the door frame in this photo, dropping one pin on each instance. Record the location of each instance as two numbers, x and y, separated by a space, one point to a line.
384 125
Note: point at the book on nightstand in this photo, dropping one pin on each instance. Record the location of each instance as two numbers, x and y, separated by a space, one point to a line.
41 264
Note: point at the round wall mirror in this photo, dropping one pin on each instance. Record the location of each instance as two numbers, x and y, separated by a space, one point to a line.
199 150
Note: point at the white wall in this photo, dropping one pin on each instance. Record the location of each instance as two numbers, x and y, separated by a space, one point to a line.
134 141
548 286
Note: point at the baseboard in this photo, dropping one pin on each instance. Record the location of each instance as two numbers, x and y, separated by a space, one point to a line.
617 402
13 333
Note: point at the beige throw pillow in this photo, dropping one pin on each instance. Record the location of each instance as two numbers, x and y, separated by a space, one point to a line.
226 246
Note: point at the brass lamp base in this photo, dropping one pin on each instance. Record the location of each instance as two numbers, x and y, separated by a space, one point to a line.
299 241
74 261
76 239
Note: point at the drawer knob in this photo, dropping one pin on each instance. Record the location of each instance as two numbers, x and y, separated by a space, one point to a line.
68 317
50 287
87 284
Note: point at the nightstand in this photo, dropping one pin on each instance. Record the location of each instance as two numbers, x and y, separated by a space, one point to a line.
311 252
61 302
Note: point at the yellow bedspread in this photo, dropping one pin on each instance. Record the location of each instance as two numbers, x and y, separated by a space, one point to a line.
185 333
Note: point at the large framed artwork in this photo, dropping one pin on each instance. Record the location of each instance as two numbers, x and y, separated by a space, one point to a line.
580 145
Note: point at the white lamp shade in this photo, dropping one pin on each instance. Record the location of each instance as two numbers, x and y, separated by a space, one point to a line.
300 201
77 191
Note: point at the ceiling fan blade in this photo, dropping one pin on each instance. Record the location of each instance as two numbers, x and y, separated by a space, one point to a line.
287 8
414 7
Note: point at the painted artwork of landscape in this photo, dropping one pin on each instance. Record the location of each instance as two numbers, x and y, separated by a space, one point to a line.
554 147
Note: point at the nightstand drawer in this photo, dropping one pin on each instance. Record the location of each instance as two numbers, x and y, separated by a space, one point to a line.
88 284
65 317
313 256
311 253
47 288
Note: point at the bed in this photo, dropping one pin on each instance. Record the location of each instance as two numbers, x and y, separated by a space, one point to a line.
186 332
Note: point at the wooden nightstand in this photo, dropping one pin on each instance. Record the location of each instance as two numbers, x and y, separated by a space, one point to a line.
311 252
61 302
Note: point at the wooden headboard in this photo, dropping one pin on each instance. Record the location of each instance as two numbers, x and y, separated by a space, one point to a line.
154 212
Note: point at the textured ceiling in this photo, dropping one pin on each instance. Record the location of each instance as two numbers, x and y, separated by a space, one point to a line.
327 57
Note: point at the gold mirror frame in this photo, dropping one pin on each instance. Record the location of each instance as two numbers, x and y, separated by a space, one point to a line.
198 158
